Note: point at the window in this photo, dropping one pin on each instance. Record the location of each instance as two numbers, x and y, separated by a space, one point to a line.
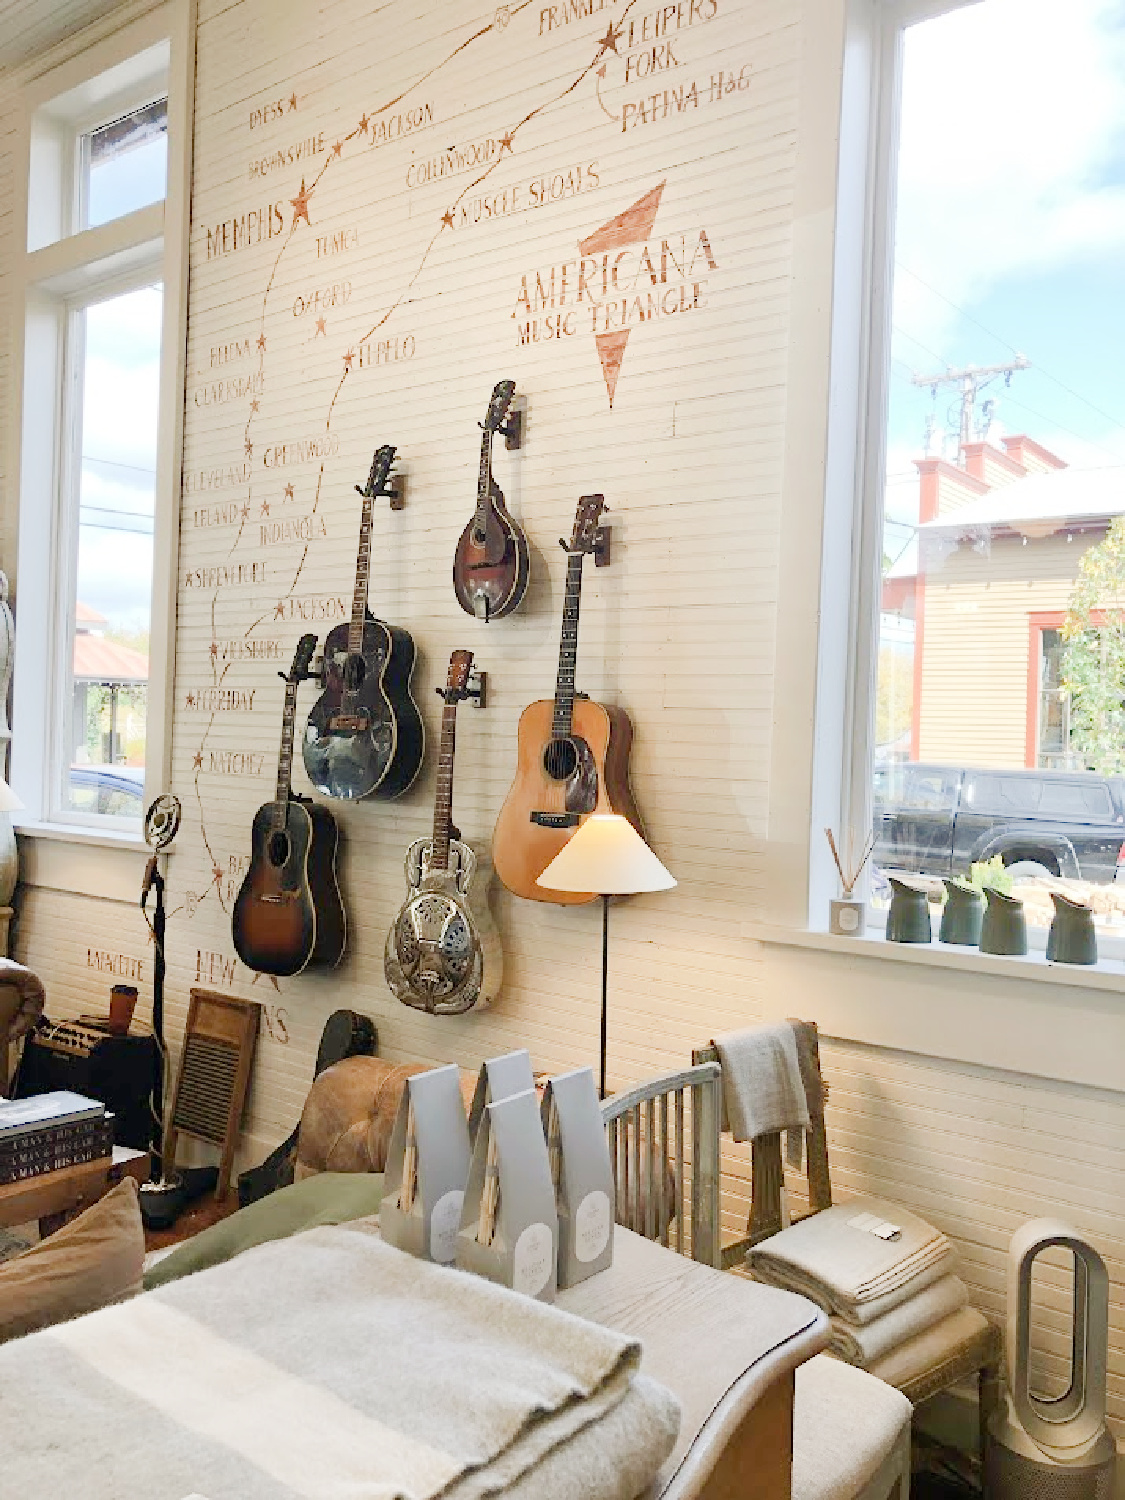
997 459
104 286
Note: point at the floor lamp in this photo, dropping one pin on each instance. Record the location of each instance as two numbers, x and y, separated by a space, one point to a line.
607 856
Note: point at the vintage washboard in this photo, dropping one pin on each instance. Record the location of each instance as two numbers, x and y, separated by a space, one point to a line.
214 1076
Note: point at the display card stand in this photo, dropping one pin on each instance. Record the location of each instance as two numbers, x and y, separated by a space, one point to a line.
509 1227
582 1174
427 1167
499 1078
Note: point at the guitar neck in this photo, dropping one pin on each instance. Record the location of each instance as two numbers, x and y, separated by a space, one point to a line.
568 648
285 755
484 481
362 578
443 797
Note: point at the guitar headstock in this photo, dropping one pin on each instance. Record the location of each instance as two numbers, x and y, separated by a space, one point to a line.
584 537
380 468
302 659
501 399
457 679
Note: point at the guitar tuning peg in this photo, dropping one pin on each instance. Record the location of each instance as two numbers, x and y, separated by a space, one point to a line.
564 545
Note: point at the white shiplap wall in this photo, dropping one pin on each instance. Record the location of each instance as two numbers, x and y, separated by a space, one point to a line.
680 630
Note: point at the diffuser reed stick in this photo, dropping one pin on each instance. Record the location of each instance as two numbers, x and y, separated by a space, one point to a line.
850 873
490 1196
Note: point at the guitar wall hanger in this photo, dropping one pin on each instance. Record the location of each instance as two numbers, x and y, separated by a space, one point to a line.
476 688
600 548
395 492
511 428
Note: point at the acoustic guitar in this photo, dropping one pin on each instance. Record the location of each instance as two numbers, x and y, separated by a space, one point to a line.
288 913
573 754
491 565
364 736
443 953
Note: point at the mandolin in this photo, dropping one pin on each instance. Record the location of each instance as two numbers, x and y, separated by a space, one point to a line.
573 754
288 913
443 953
491 565
364 736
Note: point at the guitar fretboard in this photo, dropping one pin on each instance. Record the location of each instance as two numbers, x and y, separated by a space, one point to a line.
563 718
362 578
285 755
443 796
484 481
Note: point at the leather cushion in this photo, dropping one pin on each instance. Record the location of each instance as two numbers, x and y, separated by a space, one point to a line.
350 1112
95 1259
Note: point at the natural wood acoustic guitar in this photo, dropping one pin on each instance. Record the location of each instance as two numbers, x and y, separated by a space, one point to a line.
573 754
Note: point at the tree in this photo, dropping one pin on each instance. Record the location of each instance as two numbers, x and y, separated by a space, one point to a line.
1093 665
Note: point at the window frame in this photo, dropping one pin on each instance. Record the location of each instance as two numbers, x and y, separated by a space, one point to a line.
79 268
844 704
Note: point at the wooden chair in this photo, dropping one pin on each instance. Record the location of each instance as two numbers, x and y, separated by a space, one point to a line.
975 1351
850 1432
646 1129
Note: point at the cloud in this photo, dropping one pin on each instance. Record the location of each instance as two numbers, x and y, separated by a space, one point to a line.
1013 124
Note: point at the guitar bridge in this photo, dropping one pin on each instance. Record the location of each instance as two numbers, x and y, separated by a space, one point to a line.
555 820
349 724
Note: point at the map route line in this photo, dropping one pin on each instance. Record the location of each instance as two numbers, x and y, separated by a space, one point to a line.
299 205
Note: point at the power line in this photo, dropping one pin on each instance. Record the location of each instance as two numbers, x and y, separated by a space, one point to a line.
1117 421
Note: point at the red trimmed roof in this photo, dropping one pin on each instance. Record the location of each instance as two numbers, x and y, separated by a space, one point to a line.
99 660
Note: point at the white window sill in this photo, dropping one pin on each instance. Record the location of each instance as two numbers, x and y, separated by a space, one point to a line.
80 833
1106 974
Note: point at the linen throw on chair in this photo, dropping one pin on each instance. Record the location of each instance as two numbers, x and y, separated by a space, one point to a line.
331 1366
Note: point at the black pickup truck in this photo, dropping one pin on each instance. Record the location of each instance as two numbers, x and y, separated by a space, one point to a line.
939 820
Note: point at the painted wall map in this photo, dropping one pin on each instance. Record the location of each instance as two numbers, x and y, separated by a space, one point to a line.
391 212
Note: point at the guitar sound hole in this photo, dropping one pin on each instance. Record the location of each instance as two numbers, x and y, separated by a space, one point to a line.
560 760
355 670
278 848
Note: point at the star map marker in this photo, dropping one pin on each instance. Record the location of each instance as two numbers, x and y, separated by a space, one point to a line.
506 141
197 761
288 492
447 219
265 510
610 40
301 205
320 328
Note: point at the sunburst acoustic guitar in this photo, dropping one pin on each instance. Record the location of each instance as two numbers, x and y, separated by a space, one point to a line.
573 754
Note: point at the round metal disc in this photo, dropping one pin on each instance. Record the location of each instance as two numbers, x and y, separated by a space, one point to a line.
162 821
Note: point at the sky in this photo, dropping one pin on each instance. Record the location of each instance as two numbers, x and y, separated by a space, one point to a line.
1010 233
121 390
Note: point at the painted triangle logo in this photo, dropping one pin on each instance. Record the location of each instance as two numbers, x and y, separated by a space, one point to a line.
622 277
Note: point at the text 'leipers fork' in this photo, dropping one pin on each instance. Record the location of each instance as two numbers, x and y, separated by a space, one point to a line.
364 736
492 564
573 754
443 954
288 913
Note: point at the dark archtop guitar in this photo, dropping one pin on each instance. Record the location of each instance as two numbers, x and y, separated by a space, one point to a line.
443 953
573 754
364 736
491 565
288 913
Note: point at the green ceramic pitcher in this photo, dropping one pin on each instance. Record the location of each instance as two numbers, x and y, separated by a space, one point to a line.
908 920
1072 939
964 912
1004 928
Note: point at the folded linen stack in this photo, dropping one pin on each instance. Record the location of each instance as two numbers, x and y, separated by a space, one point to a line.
884 1276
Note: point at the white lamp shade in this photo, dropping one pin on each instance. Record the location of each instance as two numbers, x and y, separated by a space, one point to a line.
607 856
9 802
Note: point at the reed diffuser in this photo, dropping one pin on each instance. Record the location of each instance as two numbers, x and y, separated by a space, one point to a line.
846 915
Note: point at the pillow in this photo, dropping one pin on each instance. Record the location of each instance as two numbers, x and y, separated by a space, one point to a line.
95 1259
350 1112
327 1198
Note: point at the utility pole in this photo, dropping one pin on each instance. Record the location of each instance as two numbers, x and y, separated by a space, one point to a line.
970 379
